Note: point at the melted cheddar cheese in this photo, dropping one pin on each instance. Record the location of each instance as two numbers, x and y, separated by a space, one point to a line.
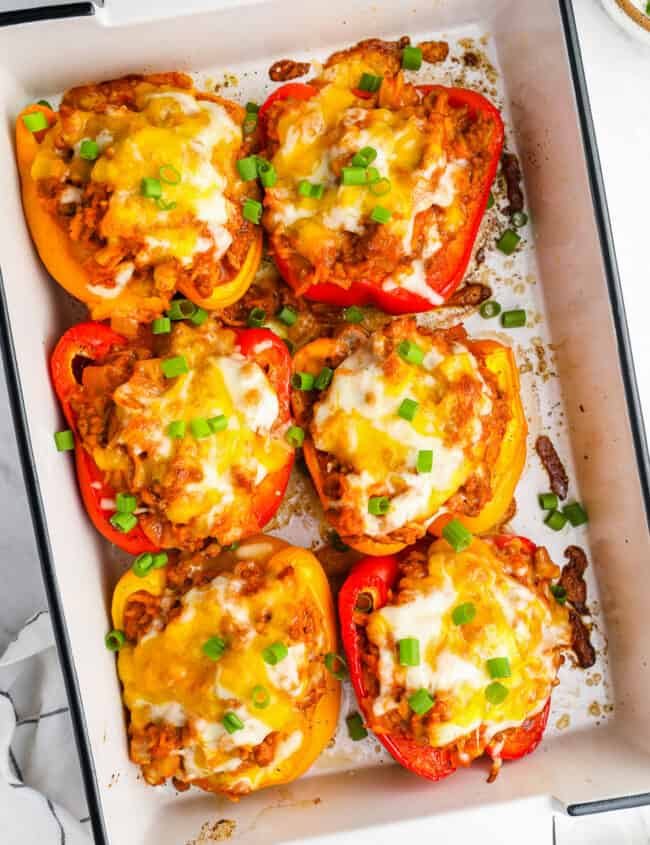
187 142
512 620
201 483
357 421
168 679
429 183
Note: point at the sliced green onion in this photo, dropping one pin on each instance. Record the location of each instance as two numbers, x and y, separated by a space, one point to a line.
200 428
575 513
252 211
498 667
324 378
88 149
151 188
496 693
556 520
420 702
352 314
175 366
295 436
489 309
336 665
289 344
251 107
364 157
513 319
302 381
267 173
232 547
559 592
370 83
45 103
214 648
356 729
547 501
35 121
508 241
458 537
379 214
232 722
490 200
250 124
408 409
275 653
181 309
160 559
287 315
161 325
337 543
410 352
353 176
260 697
143 564
311 189
464 613
169 174
165 206
247 168
125 503
114 640
372 176
218 423
409 651
411 58
64 440
378 505
519 219
123 522
176 429
424 462
199 316
381 187
256 318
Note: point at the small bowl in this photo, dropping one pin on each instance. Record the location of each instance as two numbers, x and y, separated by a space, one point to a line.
631 16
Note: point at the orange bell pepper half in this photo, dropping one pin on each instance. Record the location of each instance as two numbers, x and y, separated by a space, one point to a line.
507 469
64 259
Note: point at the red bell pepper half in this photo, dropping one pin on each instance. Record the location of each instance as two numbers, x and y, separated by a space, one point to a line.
367 291
93 341
367 587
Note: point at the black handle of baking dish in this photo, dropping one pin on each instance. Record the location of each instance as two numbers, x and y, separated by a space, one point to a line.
47 13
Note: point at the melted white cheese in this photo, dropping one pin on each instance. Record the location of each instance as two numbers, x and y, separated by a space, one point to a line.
286 674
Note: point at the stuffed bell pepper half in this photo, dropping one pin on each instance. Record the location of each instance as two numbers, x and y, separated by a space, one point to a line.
454 648
131 192
408 428
223 662
180 437
379 184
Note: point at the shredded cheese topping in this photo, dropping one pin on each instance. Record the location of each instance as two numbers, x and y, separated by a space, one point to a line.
511 621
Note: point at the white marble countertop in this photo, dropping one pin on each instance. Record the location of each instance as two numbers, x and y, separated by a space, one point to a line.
618 71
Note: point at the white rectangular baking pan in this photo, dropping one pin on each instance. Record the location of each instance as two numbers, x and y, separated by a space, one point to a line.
577 381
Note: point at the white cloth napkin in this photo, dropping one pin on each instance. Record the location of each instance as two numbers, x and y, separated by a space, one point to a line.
41 794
